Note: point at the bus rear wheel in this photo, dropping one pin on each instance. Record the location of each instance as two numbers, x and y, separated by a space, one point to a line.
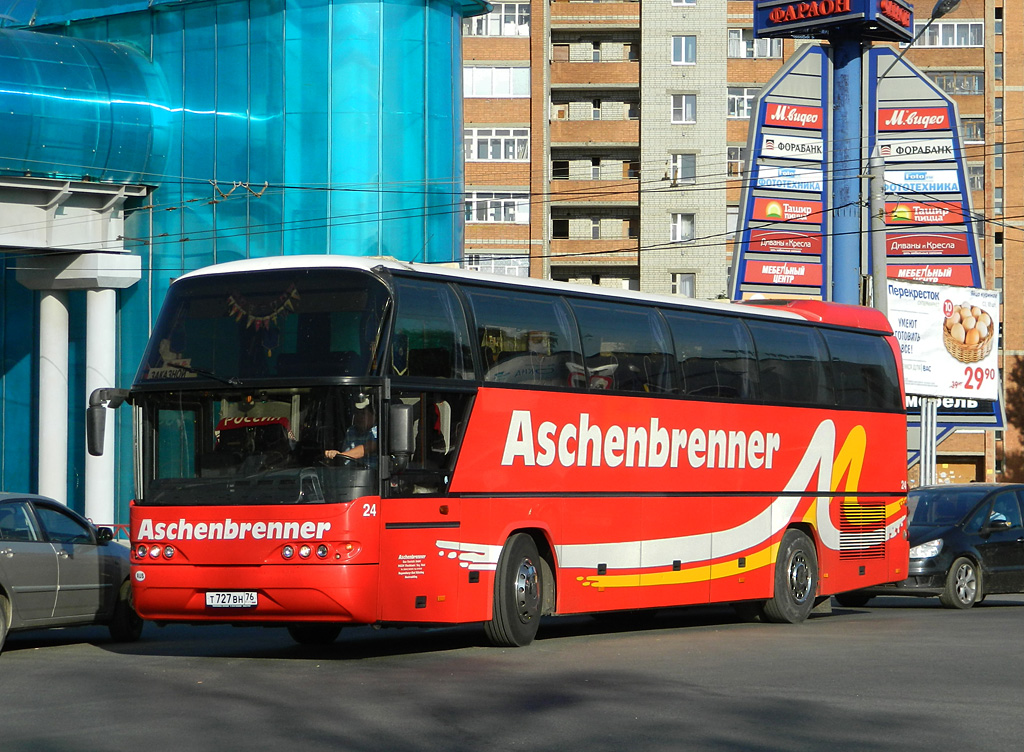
314 633
517 594
796 580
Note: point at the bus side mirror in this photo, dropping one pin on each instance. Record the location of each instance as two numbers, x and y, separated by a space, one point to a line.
96 416
401 434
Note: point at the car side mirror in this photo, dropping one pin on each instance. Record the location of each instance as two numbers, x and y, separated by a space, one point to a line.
994 526
104 535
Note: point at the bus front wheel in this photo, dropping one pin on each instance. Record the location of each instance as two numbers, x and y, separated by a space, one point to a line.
517 594
796 580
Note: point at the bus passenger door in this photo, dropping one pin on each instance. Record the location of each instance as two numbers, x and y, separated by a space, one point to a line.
419 570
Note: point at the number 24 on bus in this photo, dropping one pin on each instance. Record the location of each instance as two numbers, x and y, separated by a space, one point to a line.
327 441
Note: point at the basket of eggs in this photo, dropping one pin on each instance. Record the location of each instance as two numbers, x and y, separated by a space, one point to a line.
967 333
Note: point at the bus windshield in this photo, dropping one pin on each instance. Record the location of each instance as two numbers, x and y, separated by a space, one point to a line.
284 324
271 446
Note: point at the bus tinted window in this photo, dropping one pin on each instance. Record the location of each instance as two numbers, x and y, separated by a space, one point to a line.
864 369
431 338
625 347
715 354
525 338
283 324
791 364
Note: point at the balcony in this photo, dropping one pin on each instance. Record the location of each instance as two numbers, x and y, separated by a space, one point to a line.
623 192
605 252
586 132
617 75
566 15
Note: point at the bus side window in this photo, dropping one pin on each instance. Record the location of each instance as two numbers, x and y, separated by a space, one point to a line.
864 369
792 364
715 355
431 338
438 425
525 338
626 348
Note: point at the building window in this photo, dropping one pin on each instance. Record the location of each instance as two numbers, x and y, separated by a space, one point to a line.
497 144
559 229
684 283
509 264
684 2
742 44
997 110
999 20
959 83
997 201
741 101
682 228
595 52
498 207
973 129
560 169
632 226
595 168
506 20
976 177
595 229
495 82
632 110
595 109
736 161
997 66
997 156
684 108
560 53
684 50
631 51
683 169
950 34
631 170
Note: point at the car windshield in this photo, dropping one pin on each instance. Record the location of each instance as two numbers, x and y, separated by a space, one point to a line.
942 506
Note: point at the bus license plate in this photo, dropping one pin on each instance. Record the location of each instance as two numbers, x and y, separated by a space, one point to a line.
231 599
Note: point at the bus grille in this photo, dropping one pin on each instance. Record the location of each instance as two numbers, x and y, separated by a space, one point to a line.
862 531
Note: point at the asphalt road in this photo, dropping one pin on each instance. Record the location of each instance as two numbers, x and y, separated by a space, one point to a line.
900 674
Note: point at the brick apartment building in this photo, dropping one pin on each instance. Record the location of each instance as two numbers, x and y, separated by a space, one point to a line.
605 144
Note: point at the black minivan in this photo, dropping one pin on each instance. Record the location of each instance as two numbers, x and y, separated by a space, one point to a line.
966 542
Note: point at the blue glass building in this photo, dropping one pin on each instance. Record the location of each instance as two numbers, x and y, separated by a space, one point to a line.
141 139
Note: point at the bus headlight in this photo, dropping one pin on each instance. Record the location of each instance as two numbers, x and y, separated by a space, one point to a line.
287 552
322 551
141 551
305 551
926 550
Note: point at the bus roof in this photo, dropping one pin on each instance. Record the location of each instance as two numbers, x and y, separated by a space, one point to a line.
808 310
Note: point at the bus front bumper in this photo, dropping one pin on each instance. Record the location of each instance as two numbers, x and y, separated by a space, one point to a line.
280 593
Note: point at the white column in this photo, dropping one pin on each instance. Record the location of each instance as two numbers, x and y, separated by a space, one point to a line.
100 365
53 395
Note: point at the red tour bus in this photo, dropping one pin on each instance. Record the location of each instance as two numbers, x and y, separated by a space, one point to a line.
323 441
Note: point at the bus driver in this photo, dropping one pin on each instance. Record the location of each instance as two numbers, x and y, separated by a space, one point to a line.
360 437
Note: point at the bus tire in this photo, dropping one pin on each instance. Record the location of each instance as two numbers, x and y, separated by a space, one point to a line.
517 594
314 633
126 624
796 580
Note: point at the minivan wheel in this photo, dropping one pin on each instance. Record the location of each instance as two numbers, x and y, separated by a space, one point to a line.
963 585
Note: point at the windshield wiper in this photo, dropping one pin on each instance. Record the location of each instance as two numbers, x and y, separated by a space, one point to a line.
230 380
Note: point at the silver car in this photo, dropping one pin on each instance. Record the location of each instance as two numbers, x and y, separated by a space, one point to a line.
58 570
